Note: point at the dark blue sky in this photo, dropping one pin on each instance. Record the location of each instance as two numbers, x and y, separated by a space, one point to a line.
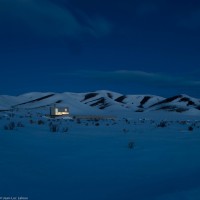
129 46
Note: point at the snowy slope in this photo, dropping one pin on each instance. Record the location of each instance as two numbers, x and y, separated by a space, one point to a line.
103 102
179 103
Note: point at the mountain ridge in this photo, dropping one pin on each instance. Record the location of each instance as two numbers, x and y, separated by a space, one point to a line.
101 101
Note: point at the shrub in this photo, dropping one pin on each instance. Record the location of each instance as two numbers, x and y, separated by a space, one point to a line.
65 129
40 122
31 121
162 124
54 127
97 124
190 128
127 121
183 122
19 124
131 145
10 126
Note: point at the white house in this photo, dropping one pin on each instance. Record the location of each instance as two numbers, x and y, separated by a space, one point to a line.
59 111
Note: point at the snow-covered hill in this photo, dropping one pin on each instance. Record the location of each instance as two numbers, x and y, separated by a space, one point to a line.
103 102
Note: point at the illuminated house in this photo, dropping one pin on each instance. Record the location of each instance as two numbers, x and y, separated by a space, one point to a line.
59 111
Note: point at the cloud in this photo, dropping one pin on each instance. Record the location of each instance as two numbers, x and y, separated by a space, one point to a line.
42 17
192 21
100 27
142 77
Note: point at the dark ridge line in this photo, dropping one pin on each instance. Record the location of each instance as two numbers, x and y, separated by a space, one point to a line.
186 99
168 100
109 95
44 106
198 107
35 100
104 106
120 99
93 100
144 100
59 101
102 102
89 95
173 108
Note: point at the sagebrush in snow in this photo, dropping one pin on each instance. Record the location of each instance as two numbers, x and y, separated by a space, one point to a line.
162 124
10 126
131 145
65 129
19 124
190 128
41 122
54 127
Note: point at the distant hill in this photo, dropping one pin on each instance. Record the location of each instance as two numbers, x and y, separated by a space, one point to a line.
103 102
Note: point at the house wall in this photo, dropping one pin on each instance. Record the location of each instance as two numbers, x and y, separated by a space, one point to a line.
52 111
59 111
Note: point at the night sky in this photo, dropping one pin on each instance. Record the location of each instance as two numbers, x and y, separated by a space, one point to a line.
128 46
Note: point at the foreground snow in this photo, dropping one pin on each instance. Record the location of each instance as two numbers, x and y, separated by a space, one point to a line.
92 159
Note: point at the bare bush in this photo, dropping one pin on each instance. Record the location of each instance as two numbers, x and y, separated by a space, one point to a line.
127 121
162 124
10 126
190 128
40 122
131 145
19 124
31 121
53 127
97 124
65 129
